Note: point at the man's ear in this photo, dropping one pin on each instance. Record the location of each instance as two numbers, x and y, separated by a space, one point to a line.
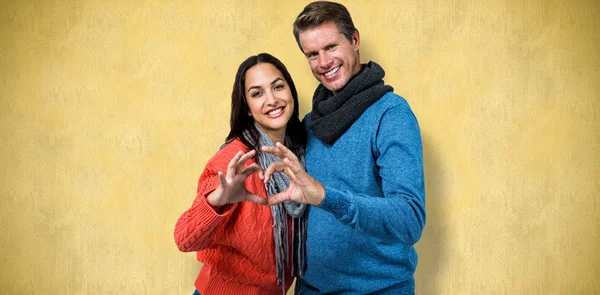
356 39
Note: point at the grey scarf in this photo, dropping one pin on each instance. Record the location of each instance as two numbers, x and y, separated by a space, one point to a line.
278 183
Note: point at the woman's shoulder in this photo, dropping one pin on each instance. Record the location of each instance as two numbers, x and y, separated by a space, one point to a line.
227 152
234 144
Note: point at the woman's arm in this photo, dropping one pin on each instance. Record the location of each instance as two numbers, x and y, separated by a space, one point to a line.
216 200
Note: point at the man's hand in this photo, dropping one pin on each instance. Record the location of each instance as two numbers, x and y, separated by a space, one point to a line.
231 189
303 188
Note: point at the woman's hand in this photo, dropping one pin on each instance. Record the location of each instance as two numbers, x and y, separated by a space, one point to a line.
231 189
303 188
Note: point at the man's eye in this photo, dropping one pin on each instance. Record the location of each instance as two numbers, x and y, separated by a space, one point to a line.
312 55
330 47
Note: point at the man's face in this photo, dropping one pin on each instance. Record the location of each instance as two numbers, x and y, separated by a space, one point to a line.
333 59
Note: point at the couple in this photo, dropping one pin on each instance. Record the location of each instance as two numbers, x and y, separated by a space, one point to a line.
343 223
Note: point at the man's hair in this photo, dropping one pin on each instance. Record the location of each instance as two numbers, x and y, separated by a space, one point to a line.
320 12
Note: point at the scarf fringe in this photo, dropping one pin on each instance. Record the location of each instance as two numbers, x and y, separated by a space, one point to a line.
278 183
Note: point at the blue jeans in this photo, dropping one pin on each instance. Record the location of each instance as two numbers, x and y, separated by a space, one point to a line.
196 292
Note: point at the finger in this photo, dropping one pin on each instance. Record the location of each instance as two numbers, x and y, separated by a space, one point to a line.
274 167
251 169
288 171
295 167
232 165
256 199
222 180
243 159
286 152
272 150
278 198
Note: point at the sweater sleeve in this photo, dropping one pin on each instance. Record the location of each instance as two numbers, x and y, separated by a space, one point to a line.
400 214
198 227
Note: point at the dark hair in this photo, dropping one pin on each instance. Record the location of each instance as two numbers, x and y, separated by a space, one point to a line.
320 12
240 121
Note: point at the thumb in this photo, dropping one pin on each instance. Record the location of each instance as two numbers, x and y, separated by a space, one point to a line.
278 198
256 199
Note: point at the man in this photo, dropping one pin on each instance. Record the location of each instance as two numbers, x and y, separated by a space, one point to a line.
364 154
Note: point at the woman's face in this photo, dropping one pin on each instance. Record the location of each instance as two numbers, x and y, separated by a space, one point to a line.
269 99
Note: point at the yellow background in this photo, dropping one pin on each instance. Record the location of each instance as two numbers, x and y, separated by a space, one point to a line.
110 109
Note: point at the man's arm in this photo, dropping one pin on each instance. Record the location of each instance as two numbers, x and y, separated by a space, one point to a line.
400 214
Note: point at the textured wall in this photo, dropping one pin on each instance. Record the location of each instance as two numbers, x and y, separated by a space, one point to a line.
109 111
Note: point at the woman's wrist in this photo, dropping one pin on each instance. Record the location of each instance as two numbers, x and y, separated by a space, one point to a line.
213 199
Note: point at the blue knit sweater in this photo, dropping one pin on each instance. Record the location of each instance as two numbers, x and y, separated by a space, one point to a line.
360 239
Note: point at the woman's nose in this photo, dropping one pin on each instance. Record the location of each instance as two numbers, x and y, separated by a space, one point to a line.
271 97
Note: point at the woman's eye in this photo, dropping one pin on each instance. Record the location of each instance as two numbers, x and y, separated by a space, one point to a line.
279 87
256 94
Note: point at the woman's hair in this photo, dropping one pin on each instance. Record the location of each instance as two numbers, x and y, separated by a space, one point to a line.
240 121
321 12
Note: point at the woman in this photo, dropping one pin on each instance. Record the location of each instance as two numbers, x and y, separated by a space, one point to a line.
244 244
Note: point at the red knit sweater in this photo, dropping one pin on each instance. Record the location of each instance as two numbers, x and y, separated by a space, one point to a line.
235 243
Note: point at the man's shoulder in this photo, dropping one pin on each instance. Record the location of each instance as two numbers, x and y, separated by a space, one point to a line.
306 121
392 100
306 118
392 106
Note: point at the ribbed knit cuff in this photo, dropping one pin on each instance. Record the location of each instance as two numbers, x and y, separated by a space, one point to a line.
210 213
336 203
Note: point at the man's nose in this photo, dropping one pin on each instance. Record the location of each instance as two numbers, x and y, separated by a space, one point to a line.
324 60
